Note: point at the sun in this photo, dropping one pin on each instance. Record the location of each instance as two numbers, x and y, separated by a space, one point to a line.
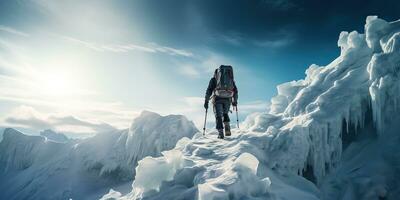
56 82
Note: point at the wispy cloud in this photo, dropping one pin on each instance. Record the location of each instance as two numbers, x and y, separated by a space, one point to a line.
190 71
212 60
254 106
13 31
280 4
276 39
193 101
281 42
170 50
29 118
123 48
233 38
202 65
112 112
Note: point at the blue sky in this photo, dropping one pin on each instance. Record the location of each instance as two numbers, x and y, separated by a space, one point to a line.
83 66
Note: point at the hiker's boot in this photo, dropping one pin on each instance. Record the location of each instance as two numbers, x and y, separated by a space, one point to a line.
220 134
227 129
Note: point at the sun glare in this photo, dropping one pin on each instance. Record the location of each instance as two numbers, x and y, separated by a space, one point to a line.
56 83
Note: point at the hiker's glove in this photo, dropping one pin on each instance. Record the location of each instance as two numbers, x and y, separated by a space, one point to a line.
206 105
234 103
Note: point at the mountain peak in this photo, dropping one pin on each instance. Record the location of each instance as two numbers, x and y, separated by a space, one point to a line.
10 133
146 113
54 136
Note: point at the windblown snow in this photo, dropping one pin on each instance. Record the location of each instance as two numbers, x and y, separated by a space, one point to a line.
51 166
333 135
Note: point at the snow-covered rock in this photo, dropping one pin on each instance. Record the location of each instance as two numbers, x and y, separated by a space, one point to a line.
42 167
311 127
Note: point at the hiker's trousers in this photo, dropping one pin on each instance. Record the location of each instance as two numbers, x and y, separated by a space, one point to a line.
221 111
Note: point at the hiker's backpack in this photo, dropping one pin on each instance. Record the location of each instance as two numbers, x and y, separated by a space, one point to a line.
225 82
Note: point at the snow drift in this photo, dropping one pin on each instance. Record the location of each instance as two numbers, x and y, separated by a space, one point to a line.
288 152
53 167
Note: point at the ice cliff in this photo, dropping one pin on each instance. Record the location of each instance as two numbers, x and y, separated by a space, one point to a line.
302 148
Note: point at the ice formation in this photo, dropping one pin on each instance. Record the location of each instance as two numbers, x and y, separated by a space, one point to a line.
44 167
310 123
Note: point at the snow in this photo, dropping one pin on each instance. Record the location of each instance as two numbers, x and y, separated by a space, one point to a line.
53 136
111 195
43 167
308 137
247 161
234 182
161 132
153 171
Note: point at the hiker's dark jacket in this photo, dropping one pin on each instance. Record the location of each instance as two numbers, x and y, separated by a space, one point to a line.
210 90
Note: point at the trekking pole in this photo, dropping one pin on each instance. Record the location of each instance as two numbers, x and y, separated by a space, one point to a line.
205 121
237 117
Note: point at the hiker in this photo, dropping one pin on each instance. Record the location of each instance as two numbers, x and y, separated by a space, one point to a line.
223 92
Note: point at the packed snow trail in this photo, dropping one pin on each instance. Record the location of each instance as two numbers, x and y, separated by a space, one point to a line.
221 169
310 123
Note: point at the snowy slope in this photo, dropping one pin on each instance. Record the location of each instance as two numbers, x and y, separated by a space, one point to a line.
36 167
314 129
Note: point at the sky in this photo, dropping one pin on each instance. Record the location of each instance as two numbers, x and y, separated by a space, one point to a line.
82 67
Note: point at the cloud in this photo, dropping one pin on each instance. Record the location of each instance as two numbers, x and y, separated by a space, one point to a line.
149 48
254 106
281 42
203 65
280 4
29 118
13 31
276 39
170 50
112 112
232 38
190 70
212 60
192 107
